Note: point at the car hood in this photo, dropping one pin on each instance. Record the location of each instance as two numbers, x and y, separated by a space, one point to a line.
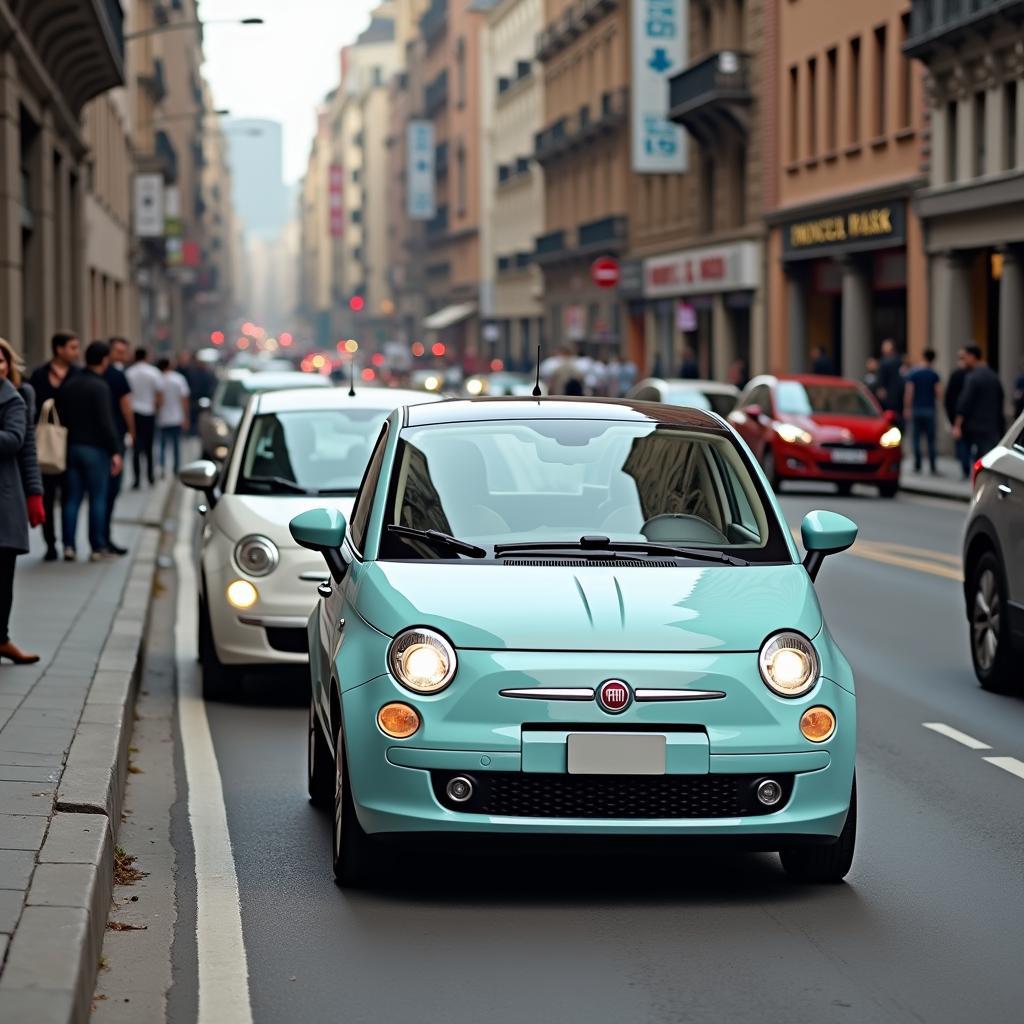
239 515
828 429
565 608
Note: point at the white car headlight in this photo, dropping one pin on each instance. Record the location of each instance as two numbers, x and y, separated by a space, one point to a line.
892 438
421 660
256 555
789 664
793 434
220 428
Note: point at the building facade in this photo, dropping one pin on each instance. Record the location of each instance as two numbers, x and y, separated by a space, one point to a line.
846 265
972 209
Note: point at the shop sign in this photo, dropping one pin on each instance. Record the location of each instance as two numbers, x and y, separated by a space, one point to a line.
575 323
149 206
419 174
863 227
700 271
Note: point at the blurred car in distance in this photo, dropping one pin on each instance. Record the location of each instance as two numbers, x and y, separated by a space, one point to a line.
709 395
501 383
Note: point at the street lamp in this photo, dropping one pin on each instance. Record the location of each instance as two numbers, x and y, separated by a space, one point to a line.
157 29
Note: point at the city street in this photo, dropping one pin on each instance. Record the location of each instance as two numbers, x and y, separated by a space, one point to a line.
926 928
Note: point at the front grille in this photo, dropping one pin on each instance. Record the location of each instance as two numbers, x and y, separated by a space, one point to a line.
605 563
848 467
288 640
863 446
542 795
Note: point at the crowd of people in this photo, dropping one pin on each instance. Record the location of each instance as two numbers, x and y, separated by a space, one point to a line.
65 431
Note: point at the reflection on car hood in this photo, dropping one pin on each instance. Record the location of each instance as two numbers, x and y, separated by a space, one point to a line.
567 608
238 515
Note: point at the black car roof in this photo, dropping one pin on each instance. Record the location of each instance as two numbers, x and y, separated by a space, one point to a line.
525 408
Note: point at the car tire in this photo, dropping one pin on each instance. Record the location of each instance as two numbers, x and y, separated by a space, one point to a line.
889 490
829 863
352 847
991 646
770 470
319 764
845 488
219 680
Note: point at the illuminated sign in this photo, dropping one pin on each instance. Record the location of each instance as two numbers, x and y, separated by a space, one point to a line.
867 227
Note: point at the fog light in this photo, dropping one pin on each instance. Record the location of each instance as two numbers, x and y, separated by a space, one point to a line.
242 594
769 792
817 724
459 789
398 720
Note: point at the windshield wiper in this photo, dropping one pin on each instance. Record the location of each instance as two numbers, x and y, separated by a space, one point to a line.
441 540
337 491
604 544
279 483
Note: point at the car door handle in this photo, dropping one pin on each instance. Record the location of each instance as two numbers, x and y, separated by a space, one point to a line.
1005 490
324 590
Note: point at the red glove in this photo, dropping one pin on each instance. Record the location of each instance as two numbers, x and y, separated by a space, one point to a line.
36 513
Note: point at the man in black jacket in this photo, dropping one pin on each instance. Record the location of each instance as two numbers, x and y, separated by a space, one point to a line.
954 389
980 419
94 451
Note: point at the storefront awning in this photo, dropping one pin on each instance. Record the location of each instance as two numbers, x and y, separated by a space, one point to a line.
449 315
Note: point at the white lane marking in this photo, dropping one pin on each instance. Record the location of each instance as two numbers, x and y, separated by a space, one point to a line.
223 968
956 734
1008 764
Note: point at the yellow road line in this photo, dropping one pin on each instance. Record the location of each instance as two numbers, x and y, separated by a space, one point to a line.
903 556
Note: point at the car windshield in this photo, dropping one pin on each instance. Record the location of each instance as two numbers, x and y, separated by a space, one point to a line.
502 482
691 398
797 399
315 451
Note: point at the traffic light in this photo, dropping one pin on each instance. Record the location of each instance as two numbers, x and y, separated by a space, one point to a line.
356 303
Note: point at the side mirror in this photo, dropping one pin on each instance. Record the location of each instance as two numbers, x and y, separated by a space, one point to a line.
205 404
323 530
889 416
825 533
201 476
754 412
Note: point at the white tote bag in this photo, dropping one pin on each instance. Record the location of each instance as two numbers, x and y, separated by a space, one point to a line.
51 440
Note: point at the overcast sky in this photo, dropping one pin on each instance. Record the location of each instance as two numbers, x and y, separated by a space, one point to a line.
280 70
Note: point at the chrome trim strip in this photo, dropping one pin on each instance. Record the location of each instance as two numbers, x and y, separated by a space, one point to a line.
274 621
657 695
551 693
314 577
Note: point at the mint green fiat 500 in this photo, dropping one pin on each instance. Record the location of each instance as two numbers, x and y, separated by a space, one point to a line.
576 617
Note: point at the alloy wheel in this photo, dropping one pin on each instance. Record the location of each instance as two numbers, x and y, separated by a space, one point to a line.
985 631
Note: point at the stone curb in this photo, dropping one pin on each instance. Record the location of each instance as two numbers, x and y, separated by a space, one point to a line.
950 494
50 971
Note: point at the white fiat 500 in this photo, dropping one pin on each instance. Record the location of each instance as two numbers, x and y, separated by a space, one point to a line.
294 450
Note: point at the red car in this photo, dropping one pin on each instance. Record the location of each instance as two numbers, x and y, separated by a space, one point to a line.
806 427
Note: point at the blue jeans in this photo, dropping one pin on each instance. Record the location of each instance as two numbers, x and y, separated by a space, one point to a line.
170 436
923 422
88 474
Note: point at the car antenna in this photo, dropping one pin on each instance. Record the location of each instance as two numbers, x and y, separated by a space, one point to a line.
536 387
352 377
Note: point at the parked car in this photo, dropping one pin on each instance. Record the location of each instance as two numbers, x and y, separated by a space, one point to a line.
500 383
807 427
695 394
576 618
220 415
295 448
994 564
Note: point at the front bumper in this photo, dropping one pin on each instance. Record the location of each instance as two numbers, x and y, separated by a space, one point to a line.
817 462
398 786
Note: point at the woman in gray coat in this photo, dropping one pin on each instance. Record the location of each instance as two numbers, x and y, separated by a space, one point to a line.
21 488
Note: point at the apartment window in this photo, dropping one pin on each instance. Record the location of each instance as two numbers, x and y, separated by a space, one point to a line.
812 107
906 78
979 133
460 71
739 23
794 114
881 82
832 100
739 204
1010 129
460 178
706 28
952 141
707 188
855 91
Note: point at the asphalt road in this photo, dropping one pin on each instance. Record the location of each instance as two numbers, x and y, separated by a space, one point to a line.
929 926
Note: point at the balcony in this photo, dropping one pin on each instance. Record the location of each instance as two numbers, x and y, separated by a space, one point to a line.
550 248
614 108
551 142
154 82
435 94
166 156
573 23
437 227
946 24
434 21
713 96
441 160
607 234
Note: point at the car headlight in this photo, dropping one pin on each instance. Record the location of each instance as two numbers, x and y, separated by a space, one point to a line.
220 428
421 660
789 664
256 555
892 438
793 434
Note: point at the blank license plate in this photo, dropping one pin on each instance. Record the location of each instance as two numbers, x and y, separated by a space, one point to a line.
603 753
853 456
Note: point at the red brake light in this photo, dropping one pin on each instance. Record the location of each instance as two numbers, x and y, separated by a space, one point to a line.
974 473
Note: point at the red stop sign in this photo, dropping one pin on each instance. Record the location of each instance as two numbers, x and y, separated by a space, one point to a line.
604 272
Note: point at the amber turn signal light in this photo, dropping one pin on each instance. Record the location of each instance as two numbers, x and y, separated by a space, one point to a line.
398 720
817 724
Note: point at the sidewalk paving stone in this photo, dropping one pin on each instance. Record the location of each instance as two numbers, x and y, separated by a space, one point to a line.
26 798
16 868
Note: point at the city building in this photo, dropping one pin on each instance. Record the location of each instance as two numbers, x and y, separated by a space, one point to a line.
315 279
512 204
972 209
56 57
846 265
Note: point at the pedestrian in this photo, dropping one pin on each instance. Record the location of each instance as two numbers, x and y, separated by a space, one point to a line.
954 389
689 370
924 386
46 382
890 380
21 488
124 424
94 451
144 379
173 414
821 362
980 419
737 374
201 384
870 377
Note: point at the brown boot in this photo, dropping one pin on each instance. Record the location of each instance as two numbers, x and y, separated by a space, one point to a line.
12 652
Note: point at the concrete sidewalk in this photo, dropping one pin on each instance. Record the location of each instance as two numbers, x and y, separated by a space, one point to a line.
948 483
64 727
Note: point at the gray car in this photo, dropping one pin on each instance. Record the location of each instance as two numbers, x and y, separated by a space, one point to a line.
994 564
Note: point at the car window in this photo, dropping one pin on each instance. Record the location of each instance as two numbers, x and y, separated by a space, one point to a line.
231 394
760 396
722 404
691 398
647 394
364 499
799 399
509 481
